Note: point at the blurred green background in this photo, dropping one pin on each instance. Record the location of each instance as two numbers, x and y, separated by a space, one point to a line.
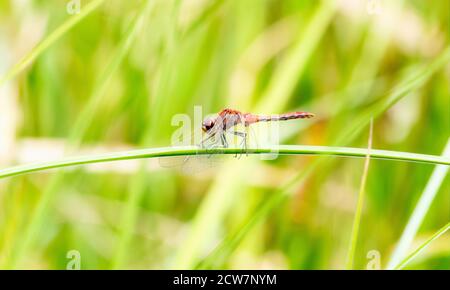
114 81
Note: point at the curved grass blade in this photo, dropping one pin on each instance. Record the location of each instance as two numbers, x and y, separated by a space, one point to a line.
193 150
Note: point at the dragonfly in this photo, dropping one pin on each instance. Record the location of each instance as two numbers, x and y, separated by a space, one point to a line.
226 122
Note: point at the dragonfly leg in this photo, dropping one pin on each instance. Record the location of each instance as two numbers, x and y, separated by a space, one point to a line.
218 137
223 138
244 135
202 143
243 143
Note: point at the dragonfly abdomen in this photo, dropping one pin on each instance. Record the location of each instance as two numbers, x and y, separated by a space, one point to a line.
283 117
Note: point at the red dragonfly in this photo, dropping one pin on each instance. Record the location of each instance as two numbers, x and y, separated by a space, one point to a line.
216 127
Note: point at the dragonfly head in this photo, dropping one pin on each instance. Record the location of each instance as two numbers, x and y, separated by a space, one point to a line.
207 124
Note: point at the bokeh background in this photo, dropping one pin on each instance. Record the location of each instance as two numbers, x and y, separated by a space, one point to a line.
113 80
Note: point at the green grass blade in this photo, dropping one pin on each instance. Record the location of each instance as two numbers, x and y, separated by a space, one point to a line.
292 66
152 131
422 247
192 150
422 207
407 85
98 96
128 218
50 40
359 206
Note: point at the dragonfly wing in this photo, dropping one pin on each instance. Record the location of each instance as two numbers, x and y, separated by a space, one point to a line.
197 163
173 161
201 163
191 164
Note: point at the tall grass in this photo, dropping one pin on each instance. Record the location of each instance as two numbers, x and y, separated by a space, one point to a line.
276 96
411 82
422 247
360 204
50 40
111 78
420 211
80 129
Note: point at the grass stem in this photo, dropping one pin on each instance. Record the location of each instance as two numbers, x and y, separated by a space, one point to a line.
50 40
192 150
421 209
360 204
422 247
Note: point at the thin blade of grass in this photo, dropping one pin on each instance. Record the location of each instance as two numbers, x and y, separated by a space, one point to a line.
50 40
193 150
422 247
292 66
360 204
421 209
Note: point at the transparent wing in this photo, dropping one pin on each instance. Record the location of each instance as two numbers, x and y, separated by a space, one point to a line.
173 161
191 164
197 163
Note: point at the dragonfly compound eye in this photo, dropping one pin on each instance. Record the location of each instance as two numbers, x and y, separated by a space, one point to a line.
208 123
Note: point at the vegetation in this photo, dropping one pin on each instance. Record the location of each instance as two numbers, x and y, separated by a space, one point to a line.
103 85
